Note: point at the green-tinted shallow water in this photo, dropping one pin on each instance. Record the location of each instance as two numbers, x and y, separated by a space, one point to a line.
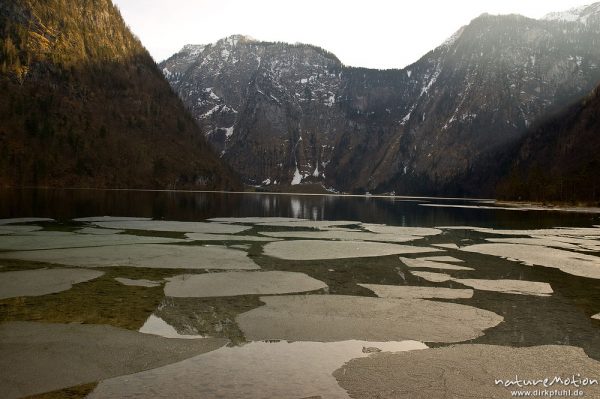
563 318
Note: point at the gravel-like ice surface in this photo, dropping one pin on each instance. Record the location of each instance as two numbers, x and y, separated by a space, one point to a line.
40 357
338 317
465 371
427 264
569 262
347 235
168 225
42 281
401 230
146 255
417 292
317 249
240 283
257 370
138 283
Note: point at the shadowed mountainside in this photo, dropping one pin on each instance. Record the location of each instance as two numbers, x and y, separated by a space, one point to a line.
83 104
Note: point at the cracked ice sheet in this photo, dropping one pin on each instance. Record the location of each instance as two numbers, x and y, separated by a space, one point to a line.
61 239
339 317
144 255
261 369
167 225
42 281
422 263
442 373
317 249
401 230
518 287
417 292
346 235
43 357
240 283
577 264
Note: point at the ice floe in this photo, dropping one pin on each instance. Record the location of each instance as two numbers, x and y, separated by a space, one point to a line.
95 230
61 239
336 234
569 262
433 277
520 287
144 255
317 249
240 283
508 286
42 357
427 264
42 281
442 259
225 237
154 325
447 372
338 317
168 225
401 230
416 292
11 229
24 220
109 219
257 370
138 283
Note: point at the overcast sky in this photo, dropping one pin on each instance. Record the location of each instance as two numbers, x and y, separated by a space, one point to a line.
373 33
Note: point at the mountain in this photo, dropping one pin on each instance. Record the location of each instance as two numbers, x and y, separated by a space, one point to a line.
559 158
83 104
288 114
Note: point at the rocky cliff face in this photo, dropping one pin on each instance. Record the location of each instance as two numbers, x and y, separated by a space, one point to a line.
288 114
84 104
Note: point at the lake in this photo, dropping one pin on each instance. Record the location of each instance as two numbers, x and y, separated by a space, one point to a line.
259 295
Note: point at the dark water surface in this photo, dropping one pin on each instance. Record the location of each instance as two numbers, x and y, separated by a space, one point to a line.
195 206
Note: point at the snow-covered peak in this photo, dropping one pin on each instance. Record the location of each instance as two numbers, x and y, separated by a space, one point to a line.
576 14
